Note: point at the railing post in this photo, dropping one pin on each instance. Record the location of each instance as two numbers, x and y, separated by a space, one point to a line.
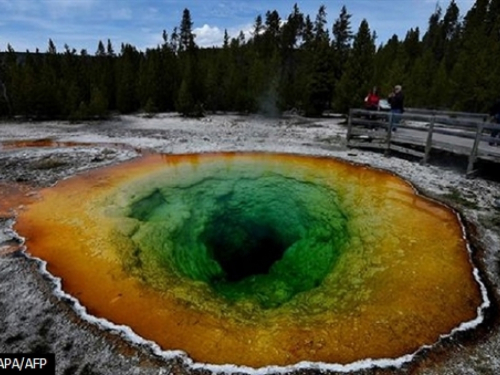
473 153
428 144
389 133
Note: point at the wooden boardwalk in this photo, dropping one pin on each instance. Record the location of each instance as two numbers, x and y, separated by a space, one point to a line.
422 131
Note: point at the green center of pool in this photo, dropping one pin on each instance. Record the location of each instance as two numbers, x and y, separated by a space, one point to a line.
263 238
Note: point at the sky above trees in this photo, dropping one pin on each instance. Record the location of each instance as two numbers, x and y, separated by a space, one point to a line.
28 24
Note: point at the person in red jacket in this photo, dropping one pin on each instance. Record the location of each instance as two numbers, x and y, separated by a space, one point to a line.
372 100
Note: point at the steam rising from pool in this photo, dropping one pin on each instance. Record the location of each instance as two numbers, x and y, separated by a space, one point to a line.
258 259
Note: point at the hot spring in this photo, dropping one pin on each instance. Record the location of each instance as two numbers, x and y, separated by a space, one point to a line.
258 259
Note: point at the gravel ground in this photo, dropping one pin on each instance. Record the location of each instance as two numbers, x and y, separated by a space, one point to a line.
33 319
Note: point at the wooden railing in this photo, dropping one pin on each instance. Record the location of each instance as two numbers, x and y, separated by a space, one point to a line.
420 131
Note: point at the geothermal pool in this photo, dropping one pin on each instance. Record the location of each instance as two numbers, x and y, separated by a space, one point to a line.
258 259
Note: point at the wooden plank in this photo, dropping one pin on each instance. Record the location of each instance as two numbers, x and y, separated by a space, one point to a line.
423 113
407 150
491 126
405 125
416 117
386 115
366 123
452 148
488 138
367 145
447 113
461 134
458 123
491 158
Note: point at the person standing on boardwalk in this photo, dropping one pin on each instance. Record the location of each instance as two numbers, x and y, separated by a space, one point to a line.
396 100
372 100
495 115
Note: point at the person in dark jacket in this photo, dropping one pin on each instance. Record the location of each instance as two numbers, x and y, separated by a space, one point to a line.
495 114
396 100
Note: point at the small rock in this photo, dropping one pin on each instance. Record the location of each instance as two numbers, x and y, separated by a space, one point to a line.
97 158
496 204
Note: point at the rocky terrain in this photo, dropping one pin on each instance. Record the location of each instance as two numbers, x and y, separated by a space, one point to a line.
38 155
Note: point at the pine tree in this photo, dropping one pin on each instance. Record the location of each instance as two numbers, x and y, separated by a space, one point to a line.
185 103
9 79
493 19
98 105
451 22
157 79
391 68
213 86
164 36
320 31
341 43
307 32
191 96
475 65
172 76
357 78
493 34
320 78
186 36
292 30
100 49
226 40
174 40
110 50
433 38
438 93
150 77
412 47
287 90
257 37
271 35
127 68
47 93
52 48
74 83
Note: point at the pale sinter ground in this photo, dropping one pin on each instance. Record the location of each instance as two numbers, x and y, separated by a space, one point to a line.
31 319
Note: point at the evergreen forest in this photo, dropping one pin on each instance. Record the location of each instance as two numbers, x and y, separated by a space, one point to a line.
295 62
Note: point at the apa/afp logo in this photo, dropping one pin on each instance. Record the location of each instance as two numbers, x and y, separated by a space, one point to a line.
36 364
